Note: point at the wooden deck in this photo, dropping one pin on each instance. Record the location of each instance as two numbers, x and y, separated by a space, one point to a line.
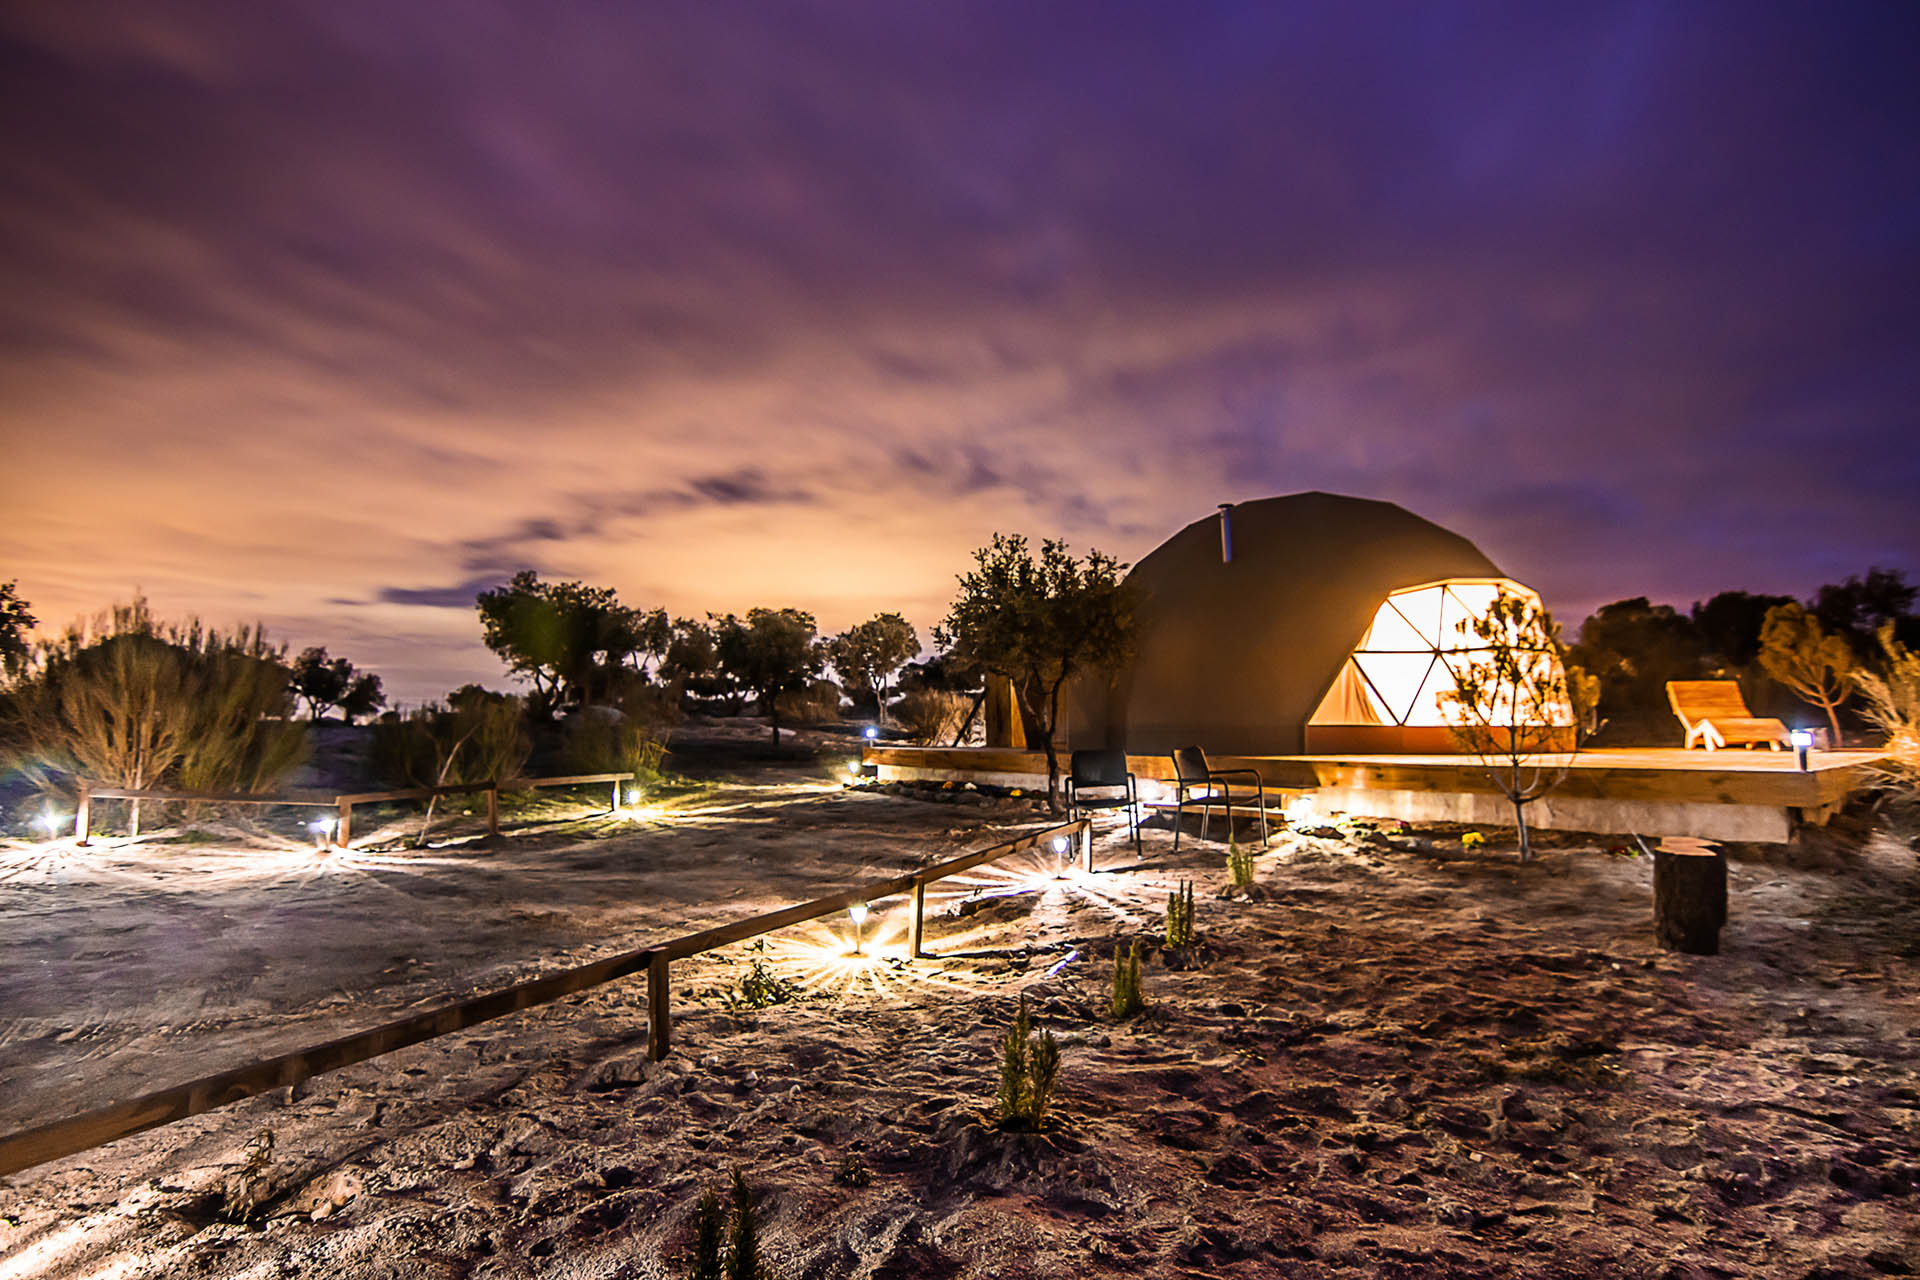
1721 795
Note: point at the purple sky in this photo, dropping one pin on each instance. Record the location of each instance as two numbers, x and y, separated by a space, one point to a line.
331 313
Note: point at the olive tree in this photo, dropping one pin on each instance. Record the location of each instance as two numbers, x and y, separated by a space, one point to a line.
569 641
867 655
1040 622
773 652
1798 652
324 683
1510 703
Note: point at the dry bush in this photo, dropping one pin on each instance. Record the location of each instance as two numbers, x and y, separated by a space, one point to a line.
1893 706
817 704
132 703
932 717
628 738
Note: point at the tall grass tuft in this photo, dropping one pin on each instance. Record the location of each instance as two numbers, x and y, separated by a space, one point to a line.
1180 915
1127 999
1239 866
1029 1066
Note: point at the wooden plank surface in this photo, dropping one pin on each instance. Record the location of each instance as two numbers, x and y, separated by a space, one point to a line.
1655 774
50 1141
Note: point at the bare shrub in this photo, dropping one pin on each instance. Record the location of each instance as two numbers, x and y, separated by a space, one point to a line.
817 704
477 736
1892 706
932 717
1127 999
630 737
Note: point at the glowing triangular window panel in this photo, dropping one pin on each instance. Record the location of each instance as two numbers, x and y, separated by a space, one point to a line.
1396 678
1462 602
1394 631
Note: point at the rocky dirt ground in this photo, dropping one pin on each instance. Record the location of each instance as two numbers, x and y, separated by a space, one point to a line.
1399 1057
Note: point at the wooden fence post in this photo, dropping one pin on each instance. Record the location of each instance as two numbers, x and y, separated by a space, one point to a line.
343 829
493 810
1086 844
83 816
916 932
616 799
659 1012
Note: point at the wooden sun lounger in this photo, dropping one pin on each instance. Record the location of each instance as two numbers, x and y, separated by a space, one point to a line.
1715 715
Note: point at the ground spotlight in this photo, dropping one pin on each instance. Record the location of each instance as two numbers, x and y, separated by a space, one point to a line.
1802 740
858 912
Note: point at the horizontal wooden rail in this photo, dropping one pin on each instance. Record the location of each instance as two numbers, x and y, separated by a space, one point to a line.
89 1129
342 804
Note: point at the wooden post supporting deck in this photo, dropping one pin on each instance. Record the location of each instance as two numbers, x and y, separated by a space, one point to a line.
493 811
1086 846
659 1012
83 817
343 830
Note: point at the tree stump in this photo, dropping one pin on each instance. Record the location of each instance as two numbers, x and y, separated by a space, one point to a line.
1689 896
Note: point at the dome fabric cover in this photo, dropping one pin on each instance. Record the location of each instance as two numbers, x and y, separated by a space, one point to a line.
1235 656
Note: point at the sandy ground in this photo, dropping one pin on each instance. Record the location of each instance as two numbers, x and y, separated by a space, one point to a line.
1400 1058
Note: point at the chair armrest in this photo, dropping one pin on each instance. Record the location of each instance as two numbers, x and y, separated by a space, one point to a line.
1236 773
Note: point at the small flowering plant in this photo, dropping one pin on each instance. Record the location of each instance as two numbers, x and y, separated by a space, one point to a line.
1472 840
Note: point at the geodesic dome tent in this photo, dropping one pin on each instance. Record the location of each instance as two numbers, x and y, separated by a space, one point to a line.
1282 626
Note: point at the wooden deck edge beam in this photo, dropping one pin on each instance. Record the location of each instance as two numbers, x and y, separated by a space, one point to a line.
73 1134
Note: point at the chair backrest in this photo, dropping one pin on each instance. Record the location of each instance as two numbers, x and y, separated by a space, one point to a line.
1103 768
1697 700
1189 764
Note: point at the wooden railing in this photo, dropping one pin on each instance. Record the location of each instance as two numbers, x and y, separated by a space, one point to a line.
29 1147
342 805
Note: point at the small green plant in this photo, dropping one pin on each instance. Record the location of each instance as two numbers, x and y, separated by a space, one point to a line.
724 1250
1029 1065
760 989
247 1187
1472 840
743 1260
1127 1000
853 1172
1180 915
1239 866
709 1239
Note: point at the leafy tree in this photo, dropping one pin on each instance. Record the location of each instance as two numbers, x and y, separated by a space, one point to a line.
867 655
692 662
1633 648
773 652
324 683
1510 704
15 622
567 639
1798 652
1859 607
1039 623
363 697
1729 625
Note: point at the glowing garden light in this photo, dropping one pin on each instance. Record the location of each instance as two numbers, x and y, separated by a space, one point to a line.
1060 857
50 823
323 829
1802 740
858 913
633 797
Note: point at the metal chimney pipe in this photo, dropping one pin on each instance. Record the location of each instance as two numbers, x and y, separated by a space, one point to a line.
1226 533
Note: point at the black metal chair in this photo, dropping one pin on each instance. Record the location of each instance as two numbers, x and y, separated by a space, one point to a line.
1104 771
1191 773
